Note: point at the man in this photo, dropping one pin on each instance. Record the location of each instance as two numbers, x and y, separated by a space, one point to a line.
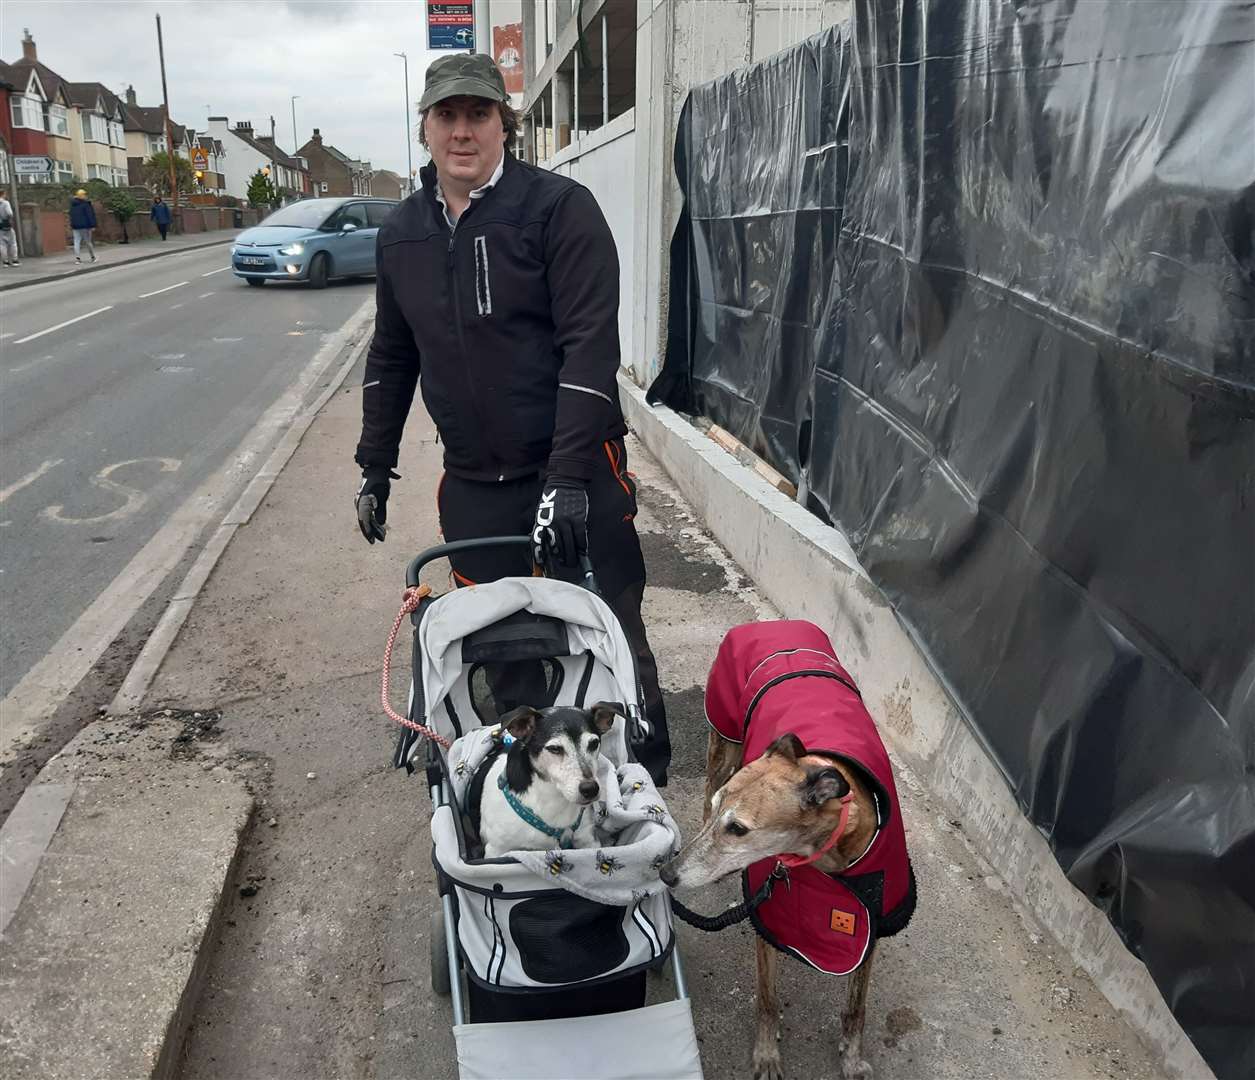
500 282
160 213
82 221
8 234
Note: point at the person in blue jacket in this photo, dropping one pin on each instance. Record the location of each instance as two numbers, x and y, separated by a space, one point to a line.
160 213
82 222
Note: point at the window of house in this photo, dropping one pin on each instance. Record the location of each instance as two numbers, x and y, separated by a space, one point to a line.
26 112
119 177
154 144
117 136
58 121
65 172
95 128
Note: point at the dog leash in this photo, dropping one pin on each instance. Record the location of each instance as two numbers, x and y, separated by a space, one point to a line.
714 923
780 872
410 600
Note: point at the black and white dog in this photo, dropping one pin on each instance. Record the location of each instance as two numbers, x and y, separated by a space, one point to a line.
539 793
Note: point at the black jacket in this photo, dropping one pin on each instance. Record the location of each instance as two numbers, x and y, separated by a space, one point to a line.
513 320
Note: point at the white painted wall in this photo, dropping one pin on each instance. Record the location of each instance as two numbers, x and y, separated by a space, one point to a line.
603 162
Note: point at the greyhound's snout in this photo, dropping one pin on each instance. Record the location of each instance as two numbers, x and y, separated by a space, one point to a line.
669 875
589 789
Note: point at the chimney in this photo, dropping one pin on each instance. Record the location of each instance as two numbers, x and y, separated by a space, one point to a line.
130 95
245 126
316 137
28 47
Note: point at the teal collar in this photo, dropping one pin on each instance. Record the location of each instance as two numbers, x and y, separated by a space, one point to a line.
565 837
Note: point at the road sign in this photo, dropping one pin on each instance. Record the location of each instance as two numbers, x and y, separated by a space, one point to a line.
31 166
450 25
200 158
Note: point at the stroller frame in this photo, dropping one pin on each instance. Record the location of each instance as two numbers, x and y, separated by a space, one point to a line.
441 793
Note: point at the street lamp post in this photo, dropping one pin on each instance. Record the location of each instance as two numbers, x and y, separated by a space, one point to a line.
295 145
409 138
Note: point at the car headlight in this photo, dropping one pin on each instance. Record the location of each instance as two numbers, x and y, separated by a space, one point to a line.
292 249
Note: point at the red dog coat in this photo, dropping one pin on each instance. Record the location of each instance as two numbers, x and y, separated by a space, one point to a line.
771 678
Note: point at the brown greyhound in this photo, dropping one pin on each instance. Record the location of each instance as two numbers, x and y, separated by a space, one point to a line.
787 800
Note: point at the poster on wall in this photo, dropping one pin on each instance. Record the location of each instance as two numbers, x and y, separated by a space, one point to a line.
507 51
450 25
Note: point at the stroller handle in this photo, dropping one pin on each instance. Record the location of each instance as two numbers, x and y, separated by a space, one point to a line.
454 547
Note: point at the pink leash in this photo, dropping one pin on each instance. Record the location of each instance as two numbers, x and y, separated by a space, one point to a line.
409 604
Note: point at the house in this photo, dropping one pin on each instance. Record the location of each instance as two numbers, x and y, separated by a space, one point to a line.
39 114
214 181
387 185
293 171
103 137
145 128
333 172
245 154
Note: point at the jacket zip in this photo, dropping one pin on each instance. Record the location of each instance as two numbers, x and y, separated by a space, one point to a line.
466 360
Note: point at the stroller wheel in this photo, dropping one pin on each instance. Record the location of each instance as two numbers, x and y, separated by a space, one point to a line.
440 981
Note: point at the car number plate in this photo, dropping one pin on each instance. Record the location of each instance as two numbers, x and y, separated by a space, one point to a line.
253 260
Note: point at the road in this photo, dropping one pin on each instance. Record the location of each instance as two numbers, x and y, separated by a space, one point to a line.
124 391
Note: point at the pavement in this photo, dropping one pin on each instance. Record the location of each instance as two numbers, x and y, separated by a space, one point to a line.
39 268
138 402
315 962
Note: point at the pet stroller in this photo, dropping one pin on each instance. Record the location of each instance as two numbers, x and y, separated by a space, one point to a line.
544 953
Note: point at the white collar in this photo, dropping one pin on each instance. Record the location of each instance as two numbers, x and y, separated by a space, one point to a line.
475 193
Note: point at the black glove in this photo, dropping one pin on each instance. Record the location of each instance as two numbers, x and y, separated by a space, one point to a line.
560 535
372 501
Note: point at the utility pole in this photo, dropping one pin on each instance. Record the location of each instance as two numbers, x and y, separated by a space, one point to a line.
165 102
274 161
295 145
409 136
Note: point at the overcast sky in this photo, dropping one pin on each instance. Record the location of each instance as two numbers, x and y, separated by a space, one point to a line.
244 60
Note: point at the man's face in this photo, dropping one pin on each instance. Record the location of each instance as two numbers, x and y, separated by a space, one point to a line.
465 137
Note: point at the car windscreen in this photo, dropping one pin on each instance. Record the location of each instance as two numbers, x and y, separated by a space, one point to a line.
301 215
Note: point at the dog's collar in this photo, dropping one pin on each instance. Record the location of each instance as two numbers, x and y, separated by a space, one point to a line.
565 837
792 862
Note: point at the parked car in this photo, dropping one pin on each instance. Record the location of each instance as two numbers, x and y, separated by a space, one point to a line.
313 240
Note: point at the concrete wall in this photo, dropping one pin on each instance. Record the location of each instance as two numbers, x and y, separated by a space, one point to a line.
603 163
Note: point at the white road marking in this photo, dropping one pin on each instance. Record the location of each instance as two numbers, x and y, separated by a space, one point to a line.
158 292
134 498
28 479
32 702
205 294
175 307
3 336
30 364
60 325
226 340
218 271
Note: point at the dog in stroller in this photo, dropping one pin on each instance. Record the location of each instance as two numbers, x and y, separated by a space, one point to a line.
541 786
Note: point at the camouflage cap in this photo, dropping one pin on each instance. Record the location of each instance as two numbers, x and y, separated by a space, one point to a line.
469 74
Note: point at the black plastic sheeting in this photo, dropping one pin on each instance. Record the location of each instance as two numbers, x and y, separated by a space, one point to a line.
981 276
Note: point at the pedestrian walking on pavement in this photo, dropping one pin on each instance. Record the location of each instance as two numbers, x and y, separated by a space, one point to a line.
501 282
82 222
8 234
160 213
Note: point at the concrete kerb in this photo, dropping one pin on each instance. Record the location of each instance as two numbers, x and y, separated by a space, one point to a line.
808 570
93 267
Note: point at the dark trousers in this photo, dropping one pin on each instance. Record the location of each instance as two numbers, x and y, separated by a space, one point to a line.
470 509
163 229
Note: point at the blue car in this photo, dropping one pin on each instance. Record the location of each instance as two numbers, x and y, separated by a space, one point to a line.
313 240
